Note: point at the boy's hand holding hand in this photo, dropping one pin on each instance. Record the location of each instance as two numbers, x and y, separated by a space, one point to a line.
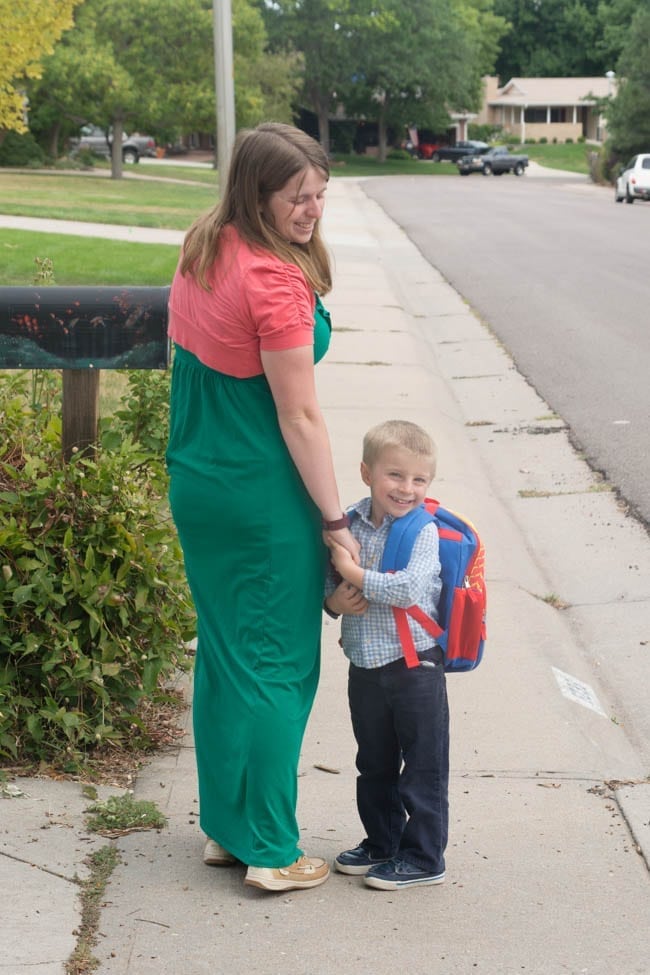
347 600
344 564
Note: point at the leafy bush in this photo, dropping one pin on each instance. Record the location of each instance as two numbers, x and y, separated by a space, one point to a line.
485 132
21 150
86 158
397 153
93 602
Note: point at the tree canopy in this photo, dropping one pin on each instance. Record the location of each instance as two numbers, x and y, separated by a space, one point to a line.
30 30
385 60
628 116
150 66
553 38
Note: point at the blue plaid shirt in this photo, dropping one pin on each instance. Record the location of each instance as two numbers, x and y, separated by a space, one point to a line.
371 640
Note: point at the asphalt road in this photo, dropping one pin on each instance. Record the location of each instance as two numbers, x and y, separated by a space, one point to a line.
560 274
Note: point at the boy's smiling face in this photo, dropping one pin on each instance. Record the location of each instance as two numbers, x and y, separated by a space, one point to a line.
398 482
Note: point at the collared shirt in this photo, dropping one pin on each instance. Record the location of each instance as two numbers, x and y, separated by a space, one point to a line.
371 640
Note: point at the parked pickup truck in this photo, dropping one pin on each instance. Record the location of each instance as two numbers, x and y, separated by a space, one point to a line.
497 160
98 141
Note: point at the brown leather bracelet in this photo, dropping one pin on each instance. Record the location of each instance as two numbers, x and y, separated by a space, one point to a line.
330 612
333 526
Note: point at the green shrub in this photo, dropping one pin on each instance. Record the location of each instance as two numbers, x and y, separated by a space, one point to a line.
94 607
21 150
485 132
569 141
86 158
543 140
397 153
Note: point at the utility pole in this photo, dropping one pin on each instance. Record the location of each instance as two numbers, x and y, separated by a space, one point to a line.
224 85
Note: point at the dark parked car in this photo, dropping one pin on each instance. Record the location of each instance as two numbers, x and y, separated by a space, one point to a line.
469 147
497 160
94 138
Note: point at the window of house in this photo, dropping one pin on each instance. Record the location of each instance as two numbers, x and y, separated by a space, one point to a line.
558 115
535 115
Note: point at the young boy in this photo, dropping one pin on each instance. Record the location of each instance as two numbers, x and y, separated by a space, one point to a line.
400 715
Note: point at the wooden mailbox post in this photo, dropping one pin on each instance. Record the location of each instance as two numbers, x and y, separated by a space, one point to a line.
82 330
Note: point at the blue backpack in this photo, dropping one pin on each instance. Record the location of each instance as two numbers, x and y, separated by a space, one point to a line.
460 629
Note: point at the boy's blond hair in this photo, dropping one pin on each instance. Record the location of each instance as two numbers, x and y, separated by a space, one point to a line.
399 433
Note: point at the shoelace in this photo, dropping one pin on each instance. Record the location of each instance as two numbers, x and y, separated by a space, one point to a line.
302 864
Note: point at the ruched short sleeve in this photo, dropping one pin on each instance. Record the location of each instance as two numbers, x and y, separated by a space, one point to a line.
281 306
256 302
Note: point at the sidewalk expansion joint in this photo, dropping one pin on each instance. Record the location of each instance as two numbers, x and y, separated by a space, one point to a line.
53 873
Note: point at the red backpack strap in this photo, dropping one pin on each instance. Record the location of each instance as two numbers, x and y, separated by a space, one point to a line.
405 638
404 630
426 622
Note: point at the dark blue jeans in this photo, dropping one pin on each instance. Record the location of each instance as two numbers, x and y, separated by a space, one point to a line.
400 718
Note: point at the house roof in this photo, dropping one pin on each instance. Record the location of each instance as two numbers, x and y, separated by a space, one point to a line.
552 91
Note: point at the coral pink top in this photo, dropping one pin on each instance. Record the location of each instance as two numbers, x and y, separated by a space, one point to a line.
257 302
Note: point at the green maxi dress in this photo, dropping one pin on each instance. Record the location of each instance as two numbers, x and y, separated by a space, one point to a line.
255 562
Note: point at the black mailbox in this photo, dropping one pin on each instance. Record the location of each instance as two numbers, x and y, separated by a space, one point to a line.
84 328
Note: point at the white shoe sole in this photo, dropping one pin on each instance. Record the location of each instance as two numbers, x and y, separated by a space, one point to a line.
380 884
214 855
256 879
359 871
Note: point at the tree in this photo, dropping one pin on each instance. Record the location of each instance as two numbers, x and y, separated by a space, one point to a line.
388 60
420 83
628 115
30 30
266 83
318 29
112 71
615 18
551 38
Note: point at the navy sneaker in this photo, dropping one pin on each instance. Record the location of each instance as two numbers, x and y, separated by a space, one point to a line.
357 861
397 873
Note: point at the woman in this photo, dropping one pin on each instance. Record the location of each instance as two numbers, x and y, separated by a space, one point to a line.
253 490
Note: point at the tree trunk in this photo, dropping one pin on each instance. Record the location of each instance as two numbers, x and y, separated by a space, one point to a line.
381 134
324 128
54 140
116 149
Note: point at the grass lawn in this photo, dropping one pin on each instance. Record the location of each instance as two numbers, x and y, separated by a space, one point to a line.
353 165
94 198
573 156
84 260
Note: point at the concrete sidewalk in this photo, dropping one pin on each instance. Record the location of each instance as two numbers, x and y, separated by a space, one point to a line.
547 866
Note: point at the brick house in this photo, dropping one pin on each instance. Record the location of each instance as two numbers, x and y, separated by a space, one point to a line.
554 108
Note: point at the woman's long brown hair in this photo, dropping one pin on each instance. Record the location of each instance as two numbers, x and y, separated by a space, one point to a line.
263 160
